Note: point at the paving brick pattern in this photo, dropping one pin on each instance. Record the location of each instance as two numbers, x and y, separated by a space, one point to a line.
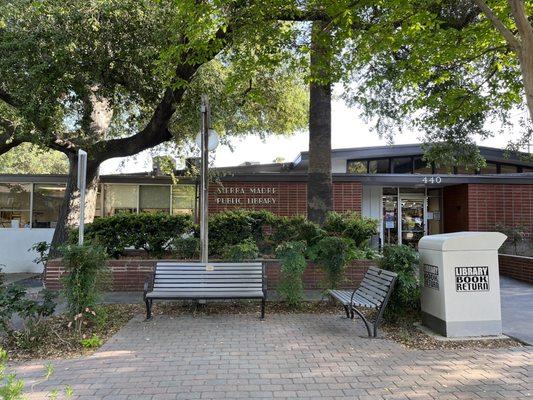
287 357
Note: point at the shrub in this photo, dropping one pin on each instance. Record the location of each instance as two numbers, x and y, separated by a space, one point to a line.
351 225
403 260
295 229
516 235
151 232
85 277
233 227
187 247
293 264
92 342
332 254
247 250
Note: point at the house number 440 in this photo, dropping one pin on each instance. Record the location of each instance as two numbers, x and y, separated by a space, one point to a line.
432 179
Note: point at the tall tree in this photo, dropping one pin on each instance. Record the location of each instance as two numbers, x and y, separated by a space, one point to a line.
27 158
113 77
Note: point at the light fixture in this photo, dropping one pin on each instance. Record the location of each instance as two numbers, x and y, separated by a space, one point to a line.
212 141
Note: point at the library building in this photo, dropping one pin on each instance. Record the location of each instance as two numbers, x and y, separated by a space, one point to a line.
389 183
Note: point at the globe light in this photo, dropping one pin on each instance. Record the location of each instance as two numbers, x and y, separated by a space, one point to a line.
212 141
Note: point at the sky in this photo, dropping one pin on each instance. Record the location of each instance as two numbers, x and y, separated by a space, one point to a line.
348 130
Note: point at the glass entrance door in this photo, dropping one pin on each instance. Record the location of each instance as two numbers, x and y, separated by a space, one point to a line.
413 224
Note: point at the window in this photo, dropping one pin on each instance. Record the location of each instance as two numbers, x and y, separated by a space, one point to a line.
490 168
402 165
47 199
378 166
357 167
421 166
464 171
14 205
154 198
120 199
508 169
183 199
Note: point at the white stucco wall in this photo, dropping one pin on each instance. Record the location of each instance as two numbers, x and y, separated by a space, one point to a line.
14 245
373 205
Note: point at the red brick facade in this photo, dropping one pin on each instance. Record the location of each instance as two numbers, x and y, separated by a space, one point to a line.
281 198
130 275
480 207
517 267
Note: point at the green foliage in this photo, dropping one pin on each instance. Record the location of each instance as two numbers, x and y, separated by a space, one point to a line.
42 248
516 235
151 232
293 264
85 277
233 227
186 247
351 225
92 342
294 229
246 250
29 159
332 254
403 260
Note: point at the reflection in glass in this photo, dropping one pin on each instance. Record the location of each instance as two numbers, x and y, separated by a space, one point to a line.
154 198
357 167
412 220
434 216
378 166
403 165
120 199
14 205
47 199
508 169
183 199
421 166
390 219
490 168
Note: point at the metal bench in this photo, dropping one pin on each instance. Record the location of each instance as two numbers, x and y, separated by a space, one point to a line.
201 281
374 292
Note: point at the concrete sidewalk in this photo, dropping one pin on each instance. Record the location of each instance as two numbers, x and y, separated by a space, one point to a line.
517 309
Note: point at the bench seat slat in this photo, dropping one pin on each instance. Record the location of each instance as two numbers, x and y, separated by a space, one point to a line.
197 294
375 287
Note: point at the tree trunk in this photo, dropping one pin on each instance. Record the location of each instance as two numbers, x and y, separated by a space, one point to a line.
70 208
526 66
319 183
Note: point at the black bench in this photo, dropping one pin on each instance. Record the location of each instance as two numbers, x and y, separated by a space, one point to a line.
200 281
374 292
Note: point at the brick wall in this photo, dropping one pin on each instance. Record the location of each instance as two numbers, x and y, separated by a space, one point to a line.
510 205
130 275
281 198
516 267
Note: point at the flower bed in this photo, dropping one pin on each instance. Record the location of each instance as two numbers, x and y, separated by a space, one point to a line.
130 274
517 267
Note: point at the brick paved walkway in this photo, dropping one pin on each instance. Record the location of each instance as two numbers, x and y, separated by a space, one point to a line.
286 356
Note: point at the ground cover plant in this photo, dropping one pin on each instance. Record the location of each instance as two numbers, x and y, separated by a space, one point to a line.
293 264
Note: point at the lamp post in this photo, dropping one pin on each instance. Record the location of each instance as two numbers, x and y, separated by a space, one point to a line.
207 141
82 183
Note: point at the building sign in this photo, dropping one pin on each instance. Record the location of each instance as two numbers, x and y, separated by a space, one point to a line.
246 196
431 276
472 279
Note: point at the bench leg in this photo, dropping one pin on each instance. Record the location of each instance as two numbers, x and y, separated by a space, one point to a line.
364 320
148 309
263 300
347 310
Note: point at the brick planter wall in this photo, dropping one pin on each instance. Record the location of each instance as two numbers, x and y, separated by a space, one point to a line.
130 275
517 267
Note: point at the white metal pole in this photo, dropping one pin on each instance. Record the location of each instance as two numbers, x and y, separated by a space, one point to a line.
204 142
82 183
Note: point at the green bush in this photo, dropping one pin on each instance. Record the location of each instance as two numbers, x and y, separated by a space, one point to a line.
233 227
86 275
92 342
351 225
332 254
294 229
246 250
187 247
293 264
403 260
151 232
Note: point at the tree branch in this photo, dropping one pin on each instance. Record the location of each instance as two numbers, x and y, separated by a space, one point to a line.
499 25
7 98
524 26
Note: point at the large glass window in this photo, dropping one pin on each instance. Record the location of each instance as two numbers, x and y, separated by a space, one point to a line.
47 199
183 199
508 169
357 167
421 166
390 216
403 165
490 168
154 198
120 199
14 205
379 166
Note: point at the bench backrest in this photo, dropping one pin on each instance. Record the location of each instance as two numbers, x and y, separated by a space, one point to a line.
222 277
376 285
